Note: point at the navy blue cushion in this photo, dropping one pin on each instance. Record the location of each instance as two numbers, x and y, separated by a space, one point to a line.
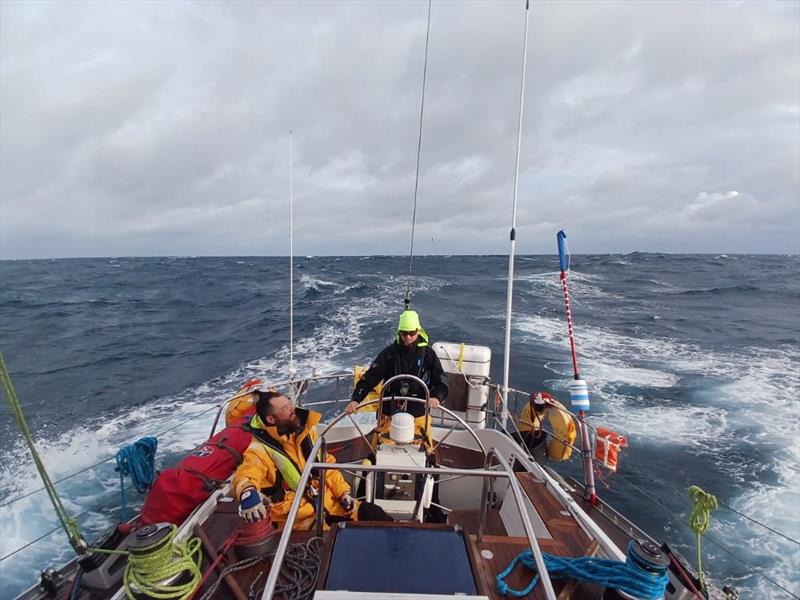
400 559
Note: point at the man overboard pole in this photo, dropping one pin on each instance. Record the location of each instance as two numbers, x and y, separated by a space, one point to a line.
578 391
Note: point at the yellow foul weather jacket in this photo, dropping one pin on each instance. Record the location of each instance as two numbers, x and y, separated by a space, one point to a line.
272 458
530 420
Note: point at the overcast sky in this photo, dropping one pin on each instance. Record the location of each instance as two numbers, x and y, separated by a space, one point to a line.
162 128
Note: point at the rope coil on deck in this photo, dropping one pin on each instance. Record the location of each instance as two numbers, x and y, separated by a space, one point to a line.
299 572
251 533
628 577
150 570
138 461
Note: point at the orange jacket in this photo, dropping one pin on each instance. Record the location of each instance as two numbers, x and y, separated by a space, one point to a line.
258 470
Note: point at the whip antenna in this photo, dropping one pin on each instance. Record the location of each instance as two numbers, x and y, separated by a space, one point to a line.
407 300
513 235
291 260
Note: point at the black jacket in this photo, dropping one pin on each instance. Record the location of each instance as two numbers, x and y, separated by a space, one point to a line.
396 358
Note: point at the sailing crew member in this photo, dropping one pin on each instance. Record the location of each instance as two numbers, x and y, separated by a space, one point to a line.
283 437
409 354
531 425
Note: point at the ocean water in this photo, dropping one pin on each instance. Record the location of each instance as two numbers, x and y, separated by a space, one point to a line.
695 358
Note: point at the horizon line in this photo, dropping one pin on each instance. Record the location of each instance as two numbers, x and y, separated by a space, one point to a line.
443 255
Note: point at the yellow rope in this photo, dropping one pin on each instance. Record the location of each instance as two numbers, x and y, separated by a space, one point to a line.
702 505
162 561
461 359
67 521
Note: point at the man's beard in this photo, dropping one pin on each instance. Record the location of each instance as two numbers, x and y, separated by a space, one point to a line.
291 426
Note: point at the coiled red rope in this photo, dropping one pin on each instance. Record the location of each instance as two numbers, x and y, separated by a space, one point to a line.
252 533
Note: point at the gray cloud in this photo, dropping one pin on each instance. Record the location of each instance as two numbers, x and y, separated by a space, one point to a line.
162 128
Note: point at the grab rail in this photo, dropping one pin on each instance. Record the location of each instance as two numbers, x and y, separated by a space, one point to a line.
519 499
507 473
283 544
336 377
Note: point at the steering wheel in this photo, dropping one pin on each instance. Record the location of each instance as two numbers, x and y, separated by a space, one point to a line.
415 379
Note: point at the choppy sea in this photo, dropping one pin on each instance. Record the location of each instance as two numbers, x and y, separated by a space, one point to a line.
695 358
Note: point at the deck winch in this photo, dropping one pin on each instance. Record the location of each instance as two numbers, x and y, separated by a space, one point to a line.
254 539
643 575
157 564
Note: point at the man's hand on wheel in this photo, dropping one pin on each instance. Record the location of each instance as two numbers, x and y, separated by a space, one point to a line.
347 502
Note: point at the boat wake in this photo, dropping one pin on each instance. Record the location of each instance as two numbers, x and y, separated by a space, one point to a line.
736 413
719 411
180 422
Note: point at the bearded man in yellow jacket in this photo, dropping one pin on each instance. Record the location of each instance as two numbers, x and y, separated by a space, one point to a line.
283 437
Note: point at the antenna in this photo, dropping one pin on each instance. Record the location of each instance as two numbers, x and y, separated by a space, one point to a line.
291 259
513 235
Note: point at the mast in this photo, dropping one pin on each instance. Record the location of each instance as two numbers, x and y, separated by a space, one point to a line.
513 234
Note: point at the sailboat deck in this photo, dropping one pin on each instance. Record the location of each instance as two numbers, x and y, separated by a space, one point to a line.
568 539
487 558
558 533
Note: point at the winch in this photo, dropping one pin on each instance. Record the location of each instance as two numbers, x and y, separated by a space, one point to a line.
159 564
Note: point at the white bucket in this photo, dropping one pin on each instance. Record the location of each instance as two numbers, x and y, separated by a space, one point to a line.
402 429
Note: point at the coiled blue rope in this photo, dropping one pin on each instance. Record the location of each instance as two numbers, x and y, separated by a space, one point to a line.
625 576
139 461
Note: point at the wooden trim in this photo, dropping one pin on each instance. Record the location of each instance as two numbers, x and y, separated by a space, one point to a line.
326 553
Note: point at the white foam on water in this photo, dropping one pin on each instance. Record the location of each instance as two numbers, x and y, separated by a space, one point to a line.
775 556
309 282
615 366
582 286
66 453
180 422
366 418
664 422
342 327
757 405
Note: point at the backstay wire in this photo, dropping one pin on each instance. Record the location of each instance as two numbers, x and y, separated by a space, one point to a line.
407 299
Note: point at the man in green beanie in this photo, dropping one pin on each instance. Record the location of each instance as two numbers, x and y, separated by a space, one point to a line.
409 354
